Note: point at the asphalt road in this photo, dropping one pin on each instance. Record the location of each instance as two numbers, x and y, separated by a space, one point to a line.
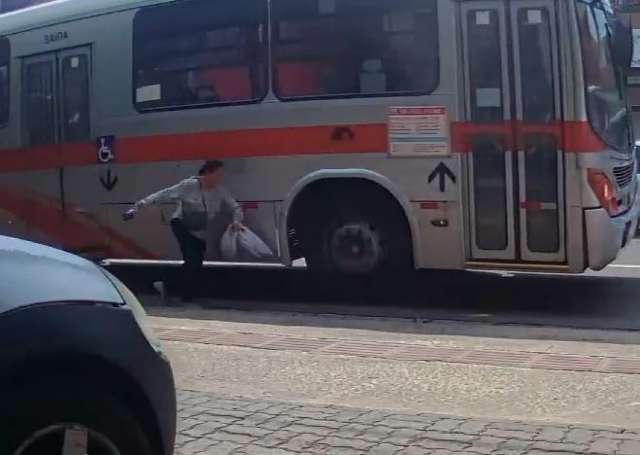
607 300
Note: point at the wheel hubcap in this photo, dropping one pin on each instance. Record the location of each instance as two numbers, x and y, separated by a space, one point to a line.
67 439
356 248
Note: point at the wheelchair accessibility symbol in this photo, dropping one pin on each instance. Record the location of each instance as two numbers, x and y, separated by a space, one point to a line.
106 149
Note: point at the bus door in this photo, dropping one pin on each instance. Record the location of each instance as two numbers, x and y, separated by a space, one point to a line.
514 129
55 118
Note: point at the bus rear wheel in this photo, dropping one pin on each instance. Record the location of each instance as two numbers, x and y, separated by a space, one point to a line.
357 238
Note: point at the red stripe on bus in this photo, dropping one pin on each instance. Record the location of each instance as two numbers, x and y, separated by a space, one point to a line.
573 137
67 228
532 206
430 205
250 206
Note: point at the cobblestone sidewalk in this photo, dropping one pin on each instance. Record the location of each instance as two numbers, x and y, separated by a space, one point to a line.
209 424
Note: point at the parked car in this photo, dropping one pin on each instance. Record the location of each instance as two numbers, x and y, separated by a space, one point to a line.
81 372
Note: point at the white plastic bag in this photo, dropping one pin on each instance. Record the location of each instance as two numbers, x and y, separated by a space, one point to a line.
243 244
251 246
229 244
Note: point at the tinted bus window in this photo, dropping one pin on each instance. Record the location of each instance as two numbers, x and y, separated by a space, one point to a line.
354 47
75 106
200 52
605 96
39 102
5 58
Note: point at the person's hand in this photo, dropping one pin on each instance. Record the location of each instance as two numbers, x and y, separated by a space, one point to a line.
237 226
129 214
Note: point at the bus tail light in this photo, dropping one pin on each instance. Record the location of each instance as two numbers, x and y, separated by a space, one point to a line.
605 191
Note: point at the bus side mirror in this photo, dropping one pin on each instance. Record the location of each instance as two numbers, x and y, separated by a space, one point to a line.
622 44
636 153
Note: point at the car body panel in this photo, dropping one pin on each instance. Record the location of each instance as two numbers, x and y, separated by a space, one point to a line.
31 273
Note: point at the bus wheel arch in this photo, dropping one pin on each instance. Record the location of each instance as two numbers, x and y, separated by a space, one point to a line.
359 210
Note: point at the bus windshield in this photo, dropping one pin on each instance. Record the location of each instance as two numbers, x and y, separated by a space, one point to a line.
606 101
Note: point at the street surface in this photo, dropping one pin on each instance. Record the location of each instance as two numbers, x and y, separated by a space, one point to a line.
473 363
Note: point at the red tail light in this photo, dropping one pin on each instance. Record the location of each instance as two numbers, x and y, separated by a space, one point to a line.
605 191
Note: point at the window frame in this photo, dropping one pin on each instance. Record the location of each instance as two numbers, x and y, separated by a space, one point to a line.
396 94
134 65
5 51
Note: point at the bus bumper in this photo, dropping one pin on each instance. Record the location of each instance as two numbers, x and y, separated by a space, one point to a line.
606 236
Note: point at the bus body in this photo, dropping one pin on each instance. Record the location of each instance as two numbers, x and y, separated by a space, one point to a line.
358 134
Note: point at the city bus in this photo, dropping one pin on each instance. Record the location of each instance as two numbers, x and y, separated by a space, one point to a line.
360 136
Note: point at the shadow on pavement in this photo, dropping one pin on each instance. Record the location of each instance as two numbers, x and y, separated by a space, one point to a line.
579 302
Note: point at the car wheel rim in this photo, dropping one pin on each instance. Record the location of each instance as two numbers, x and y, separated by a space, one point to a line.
67 439
356 248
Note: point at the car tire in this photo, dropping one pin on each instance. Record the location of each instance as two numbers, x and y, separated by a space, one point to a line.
62 402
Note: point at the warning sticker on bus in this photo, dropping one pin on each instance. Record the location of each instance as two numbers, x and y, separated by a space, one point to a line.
418 130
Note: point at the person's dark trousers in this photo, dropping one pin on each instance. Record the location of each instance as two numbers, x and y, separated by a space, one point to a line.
193 250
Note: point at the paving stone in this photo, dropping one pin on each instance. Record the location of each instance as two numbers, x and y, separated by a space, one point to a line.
222 448
352 430
306 429
551 434
213 425
258 450
442 436
196 446
603 446
405 424
580 436
510 434
300 442
234 437
256 419
404 437
347 443
373 417
515 445
203 429
276 438
376 434
446 425
448 445
385 449
472 427
321 423
560 447
629 447
253 432
278 422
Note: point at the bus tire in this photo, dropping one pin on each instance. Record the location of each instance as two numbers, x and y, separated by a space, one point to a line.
359 236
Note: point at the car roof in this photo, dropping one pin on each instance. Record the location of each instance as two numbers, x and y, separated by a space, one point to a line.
31 273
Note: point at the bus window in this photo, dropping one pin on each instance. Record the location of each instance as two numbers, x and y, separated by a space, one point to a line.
541 149
350 47
5 58
485 37
215 53
75 95
605 97
39 100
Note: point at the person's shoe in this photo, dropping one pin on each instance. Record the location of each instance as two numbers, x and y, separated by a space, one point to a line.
161 289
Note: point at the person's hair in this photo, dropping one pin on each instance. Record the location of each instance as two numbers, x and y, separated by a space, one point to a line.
210 166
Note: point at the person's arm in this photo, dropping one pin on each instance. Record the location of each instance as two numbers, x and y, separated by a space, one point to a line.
167 195
238 214
171 194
